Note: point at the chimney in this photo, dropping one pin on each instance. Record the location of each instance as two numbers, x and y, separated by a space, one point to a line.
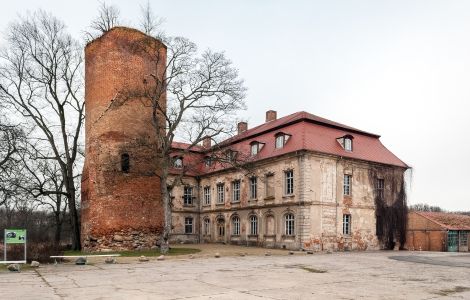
206 142
271 115
242 127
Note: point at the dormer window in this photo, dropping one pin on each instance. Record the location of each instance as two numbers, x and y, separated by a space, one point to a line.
208 161
346 142
281 139
230 155
178 162
255 147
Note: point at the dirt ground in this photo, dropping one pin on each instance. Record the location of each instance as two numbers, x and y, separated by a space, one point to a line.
253 275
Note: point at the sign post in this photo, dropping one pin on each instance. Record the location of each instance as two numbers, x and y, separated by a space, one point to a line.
15 236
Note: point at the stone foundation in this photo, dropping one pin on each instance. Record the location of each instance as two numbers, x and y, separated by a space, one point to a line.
122 240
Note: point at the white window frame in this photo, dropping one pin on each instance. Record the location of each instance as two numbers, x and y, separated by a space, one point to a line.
289 224
346 224
220 193
207 195
236 225
347 185
280 141
348 144
236 187
253 225
253 187
254 148
187 195
289 182
178 162
188 223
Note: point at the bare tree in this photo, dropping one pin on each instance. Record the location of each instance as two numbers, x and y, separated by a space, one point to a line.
108 17
204 93
41 79
150 23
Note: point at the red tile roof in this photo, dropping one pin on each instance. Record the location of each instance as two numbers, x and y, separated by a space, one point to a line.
307 132
449 221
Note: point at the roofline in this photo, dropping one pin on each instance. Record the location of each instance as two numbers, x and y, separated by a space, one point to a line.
123 28
302 119
420 213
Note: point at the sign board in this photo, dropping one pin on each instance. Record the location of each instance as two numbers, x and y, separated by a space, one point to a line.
15 236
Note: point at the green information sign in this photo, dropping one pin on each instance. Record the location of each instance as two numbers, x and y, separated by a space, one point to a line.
15 236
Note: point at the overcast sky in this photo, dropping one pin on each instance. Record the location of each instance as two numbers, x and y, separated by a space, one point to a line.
400 69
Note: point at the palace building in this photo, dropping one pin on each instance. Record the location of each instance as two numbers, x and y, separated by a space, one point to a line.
296 182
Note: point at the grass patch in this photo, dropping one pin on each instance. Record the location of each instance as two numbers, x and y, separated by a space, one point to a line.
454 290
312 270
173 252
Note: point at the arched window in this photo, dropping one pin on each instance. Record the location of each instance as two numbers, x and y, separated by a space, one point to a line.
236 225
207 226
125 163
289 224
253 225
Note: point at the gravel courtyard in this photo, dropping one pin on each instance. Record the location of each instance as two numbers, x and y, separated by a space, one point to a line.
352 275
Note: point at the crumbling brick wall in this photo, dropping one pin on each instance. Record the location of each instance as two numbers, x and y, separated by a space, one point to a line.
121 209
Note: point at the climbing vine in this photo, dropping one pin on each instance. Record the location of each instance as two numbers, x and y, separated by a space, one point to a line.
391 208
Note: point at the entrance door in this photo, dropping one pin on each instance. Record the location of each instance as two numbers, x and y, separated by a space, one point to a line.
452 241
220 230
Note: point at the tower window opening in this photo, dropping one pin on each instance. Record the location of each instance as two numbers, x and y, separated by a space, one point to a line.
125 163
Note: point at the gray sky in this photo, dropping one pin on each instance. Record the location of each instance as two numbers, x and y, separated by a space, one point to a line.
397 68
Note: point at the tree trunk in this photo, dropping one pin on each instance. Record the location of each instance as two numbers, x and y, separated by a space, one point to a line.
165 240
58 229
75 223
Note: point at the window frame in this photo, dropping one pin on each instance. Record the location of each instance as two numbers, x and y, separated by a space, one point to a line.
220 193
348 144
188 197
380 188
289 182
254 146
175 159
253 225
347 185
188 223
207 195
289 224
253 188
347 224
236 226
281 138
236 189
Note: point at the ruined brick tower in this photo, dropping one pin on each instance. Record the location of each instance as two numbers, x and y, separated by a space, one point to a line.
121 202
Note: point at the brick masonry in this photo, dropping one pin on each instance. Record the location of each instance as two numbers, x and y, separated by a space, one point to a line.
120 210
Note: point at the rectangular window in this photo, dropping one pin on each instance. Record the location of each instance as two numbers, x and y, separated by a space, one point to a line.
207 226
236 191
188 225
289 182
220 193
236 226
347 185
463 238
346 224
269 185
188 195
207 195
380 188
289 225
254 148
279 141
253 188
253 225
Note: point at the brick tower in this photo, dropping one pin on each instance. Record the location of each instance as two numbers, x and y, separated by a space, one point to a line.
121 202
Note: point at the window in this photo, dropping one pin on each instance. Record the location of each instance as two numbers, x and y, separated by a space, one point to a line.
253 225
346 224
236 191
347 185
463 238
188 225
236 225
289 224
208 161
207 227
255 147
280 141
125 163
253 187
178 162
289 182
207 195
380 188
270 185
188 195
230 155
220 193
347 144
